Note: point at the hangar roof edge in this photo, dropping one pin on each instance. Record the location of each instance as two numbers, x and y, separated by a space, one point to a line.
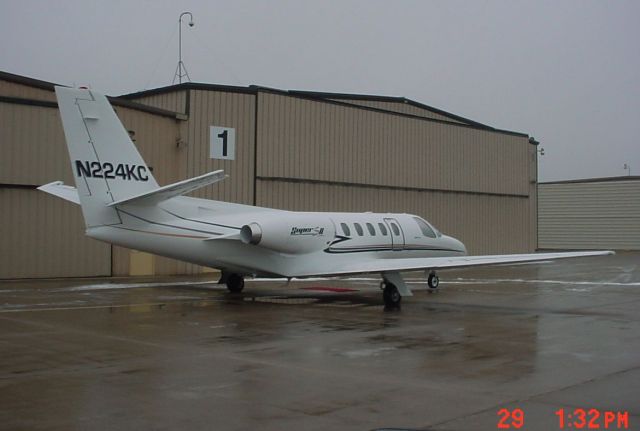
397 99
595 180
25 80
326 97
50 86
318 94
189 86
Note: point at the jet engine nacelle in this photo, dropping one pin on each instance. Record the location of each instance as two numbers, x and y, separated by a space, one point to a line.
295 235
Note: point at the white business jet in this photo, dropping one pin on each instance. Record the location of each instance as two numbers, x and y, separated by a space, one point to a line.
123 204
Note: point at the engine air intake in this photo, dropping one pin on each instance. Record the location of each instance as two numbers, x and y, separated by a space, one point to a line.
251 234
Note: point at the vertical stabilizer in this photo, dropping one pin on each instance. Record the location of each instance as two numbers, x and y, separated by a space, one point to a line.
106 164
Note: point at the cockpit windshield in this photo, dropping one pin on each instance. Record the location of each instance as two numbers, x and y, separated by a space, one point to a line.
427 230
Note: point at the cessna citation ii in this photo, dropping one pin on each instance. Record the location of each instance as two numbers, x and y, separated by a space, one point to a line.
123 204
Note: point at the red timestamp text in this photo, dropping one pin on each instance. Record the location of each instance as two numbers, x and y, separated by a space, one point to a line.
592 419
508 419
570 419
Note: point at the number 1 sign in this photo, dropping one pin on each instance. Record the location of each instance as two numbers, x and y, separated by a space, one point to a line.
222 143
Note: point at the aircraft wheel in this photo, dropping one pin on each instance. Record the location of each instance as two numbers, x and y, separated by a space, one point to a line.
235 283
433 281
391 296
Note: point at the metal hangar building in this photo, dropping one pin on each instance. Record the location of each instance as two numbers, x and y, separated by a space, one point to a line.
291 149
594 213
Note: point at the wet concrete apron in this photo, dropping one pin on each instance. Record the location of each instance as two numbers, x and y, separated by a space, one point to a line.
182 353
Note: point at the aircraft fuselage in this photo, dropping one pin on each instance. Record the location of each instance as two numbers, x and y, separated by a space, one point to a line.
262 241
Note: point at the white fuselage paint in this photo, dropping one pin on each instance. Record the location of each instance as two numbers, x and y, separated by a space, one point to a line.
292 244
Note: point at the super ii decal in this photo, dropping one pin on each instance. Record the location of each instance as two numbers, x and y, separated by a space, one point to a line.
312 231
110 171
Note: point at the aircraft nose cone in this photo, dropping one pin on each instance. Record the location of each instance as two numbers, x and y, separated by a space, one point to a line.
462 248
457 245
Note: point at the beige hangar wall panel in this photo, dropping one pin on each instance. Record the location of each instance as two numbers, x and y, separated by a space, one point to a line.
13 89
175 101
305 139
228 109
43 236
533 196
33 146
590 215
156 138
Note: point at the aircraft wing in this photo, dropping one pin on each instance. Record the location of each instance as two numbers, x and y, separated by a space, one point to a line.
57 188
176 189
434 263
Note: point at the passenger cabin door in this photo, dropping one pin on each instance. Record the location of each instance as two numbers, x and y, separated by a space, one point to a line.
397 236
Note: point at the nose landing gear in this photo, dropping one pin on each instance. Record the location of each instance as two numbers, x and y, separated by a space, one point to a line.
433 281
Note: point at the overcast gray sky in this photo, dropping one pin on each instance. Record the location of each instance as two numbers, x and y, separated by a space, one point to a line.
566 72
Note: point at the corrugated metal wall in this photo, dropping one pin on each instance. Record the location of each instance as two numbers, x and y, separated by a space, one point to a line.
12 89
590 215
157 140
33 146
43 236
304 139
175 101
404 108
237 110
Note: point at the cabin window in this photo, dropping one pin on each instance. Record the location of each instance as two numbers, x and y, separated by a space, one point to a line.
425 228
359 229
383 229
395 229
372 231
345 229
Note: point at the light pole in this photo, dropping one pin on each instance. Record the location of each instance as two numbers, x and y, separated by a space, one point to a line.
627 167
181 70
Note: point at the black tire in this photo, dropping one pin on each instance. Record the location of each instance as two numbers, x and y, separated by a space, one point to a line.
235 283
433 281
391 296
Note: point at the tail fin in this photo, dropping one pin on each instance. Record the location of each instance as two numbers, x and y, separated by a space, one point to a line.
106 164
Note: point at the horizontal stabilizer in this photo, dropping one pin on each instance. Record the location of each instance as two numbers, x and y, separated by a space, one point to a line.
57 188
172 190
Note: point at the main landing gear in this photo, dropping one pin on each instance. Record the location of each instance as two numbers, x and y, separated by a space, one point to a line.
390 295
394 288
234 282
